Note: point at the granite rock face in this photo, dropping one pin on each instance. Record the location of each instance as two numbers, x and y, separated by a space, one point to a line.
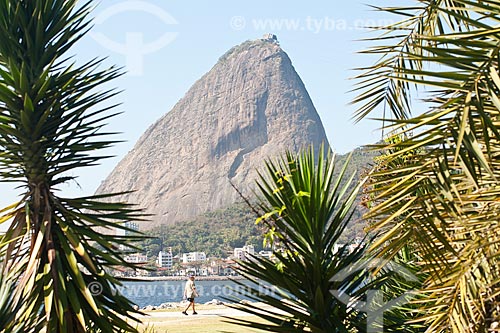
250 106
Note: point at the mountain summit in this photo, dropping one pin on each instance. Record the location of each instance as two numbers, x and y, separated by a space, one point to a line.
250 106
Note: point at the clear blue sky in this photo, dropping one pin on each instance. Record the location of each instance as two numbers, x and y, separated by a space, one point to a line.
185 39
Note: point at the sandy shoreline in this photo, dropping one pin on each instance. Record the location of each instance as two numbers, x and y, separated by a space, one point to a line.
203 309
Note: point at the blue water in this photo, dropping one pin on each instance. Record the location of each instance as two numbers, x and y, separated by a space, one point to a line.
154 293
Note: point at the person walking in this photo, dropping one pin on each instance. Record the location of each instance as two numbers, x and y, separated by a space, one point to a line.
190 294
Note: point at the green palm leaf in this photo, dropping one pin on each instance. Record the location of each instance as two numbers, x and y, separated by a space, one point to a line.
306 209
443 198
51 122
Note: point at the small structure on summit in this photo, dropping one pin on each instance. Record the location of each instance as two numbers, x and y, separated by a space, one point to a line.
270 38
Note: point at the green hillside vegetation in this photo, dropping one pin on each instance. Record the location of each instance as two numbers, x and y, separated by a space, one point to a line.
360 162
217 233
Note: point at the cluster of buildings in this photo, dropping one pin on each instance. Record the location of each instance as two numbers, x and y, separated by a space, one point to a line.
166 259
246 252
197 262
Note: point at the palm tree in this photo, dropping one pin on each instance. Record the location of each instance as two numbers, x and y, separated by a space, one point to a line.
398 318
445 200
56 265
305 209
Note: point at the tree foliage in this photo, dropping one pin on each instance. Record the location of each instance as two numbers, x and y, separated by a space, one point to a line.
216 233
51 119
444 199
305 209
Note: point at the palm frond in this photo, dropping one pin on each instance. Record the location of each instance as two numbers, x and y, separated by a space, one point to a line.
443 196
306 209
59 251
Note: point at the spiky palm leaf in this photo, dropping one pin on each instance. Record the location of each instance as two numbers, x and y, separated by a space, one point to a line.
50 124
445 201
306 209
